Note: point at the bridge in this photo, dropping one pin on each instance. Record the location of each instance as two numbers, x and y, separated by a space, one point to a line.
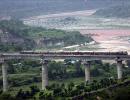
44 57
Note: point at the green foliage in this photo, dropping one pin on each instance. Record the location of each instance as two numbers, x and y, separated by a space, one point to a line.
122 94
12 26
61 91
68 37
56 70
23 66
60 71
25 95
26 72
34 90
9 47
104 89
75 38
7 96
18 30
128 63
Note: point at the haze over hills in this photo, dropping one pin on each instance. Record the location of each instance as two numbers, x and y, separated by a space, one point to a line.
120 11
28 8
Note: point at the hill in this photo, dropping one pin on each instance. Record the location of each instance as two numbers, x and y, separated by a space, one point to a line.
120 11
28 8
15 36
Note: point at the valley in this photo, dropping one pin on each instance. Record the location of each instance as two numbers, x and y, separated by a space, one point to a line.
111 34
64 49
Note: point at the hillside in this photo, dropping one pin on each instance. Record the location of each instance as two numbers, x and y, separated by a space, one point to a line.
12 37
15 36
120 11
28 8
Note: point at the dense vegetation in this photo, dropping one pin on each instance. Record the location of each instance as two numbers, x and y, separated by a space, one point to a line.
29 8
69 38
57 91
105 89
120 11
27 72
17 36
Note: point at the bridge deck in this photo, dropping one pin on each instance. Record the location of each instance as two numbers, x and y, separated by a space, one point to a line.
71 55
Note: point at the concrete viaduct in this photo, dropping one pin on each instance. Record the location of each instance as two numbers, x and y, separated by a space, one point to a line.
44 57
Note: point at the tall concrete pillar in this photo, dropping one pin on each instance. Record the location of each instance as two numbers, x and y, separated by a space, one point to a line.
4 74
87 71
119 69
44 74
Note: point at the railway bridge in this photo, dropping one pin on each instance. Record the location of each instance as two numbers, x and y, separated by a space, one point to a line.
43 57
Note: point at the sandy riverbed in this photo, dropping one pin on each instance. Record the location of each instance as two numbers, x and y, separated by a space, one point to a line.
108 39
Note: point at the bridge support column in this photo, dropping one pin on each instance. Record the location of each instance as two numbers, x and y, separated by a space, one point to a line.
4 74
119 69
44 74
87 71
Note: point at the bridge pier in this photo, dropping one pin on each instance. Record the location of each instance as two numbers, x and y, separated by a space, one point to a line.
87 71
44 74
4 74
119 69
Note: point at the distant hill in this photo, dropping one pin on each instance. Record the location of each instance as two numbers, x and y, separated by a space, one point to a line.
120 11
28 8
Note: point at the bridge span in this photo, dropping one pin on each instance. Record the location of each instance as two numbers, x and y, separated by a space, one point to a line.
43 57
